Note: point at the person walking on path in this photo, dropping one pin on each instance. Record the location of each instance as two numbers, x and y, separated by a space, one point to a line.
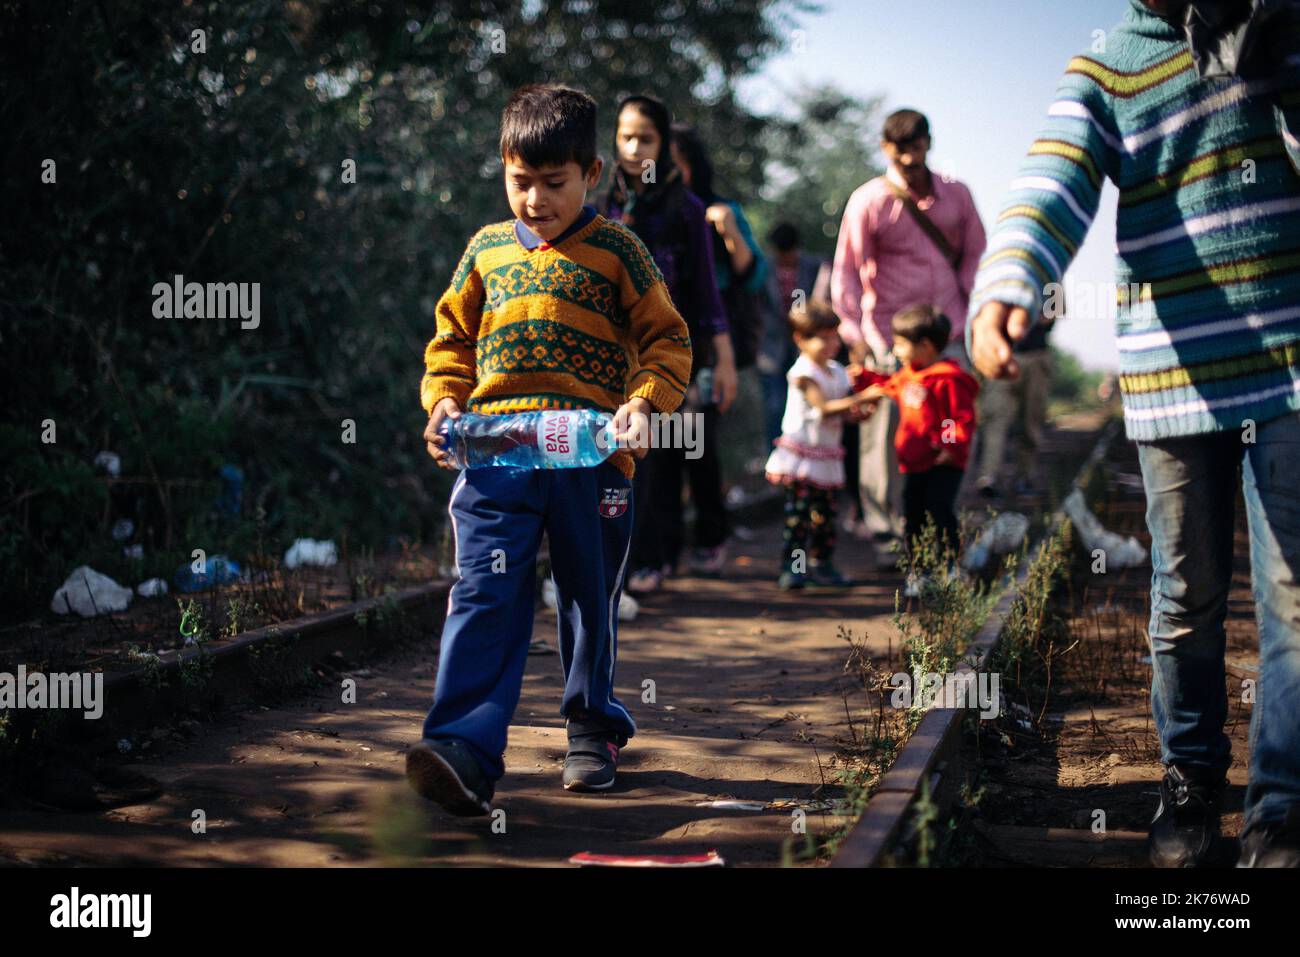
908 238
1202 146
936 429
571 285
808 460
649 195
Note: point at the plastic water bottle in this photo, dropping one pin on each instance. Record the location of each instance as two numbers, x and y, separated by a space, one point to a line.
549 439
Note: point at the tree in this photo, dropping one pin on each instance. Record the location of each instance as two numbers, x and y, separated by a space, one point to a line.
215 141
816 160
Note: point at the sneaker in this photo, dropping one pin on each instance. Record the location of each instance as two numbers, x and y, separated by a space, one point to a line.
709 561
791 581
643 581
827 576
593 755
1273 843
1185 830
446 773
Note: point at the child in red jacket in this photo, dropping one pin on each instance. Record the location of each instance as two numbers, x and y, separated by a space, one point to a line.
936 419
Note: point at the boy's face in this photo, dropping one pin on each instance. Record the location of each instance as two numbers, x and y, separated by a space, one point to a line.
548 198
909 158
916 354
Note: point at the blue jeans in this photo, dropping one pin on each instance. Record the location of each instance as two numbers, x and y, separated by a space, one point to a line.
498 517
1191 486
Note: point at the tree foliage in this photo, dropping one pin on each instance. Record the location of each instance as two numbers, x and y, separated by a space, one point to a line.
226 165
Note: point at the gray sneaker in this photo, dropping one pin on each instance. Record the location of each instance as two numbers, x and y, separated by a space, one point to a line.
446 773
592 759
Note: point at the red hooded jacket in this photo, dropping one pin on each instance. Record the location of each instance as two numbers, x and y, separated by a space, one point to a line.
936 412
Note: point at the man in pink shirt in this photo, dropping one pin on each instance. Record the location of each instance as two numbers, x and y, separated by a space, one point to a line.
887 260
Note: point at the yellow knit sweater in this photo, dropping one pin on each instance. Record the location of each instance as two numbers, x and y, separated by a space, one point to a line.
586 324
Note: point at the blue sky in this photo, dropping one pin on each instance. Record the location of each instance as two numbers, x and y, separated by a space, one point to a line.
984 72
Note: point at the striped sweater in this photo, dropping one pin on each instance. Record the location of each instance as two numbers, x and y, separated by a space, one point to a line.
584 324
1209 242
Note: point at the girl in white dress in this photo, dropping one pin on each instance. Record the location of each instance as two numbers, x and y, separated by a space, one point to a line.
808 459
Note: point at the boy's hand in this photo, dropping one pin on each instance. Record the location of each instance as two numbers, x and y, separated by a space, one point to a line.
446 408
631 426
994 330
872 393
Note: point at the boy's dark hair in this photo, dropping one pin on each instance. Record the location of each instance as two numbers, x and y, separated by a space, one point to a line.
903 126
923 324
659 116
548 125
784 237
811 318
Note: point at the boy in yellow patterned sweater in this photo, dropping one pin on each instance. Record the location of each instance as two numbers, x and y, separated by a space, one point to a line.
559 309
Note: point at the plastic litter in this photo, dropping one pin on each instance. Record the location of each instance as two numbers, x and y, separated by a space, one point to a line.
1120 552
587 859
219 570
135 552
123 529
308 551
110 462
90 593
628 607
1001 536
733 805
153 588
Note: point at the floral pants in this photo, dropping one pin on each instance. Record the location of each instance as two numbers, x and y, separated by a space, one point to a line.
809 524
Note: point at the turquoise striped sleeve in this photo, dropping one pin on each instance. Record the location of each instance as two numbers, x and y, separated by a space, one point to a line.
1052 201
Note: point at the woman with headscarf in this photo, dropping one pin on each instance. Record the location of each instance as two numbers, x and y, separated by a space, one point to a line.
649 196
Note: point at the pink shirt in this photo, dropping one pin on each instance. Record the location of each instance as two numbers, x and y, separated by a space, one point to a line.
884 261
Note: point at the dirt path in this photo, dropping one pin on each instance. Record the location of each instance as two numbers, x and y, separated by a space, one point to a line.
747 699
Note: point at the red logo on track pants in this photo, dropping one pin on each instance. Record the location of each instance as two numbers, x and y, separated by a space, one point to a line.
613 502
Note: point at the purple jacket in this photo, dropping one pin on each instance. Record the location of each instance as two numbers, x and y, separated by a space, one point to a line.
670 221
